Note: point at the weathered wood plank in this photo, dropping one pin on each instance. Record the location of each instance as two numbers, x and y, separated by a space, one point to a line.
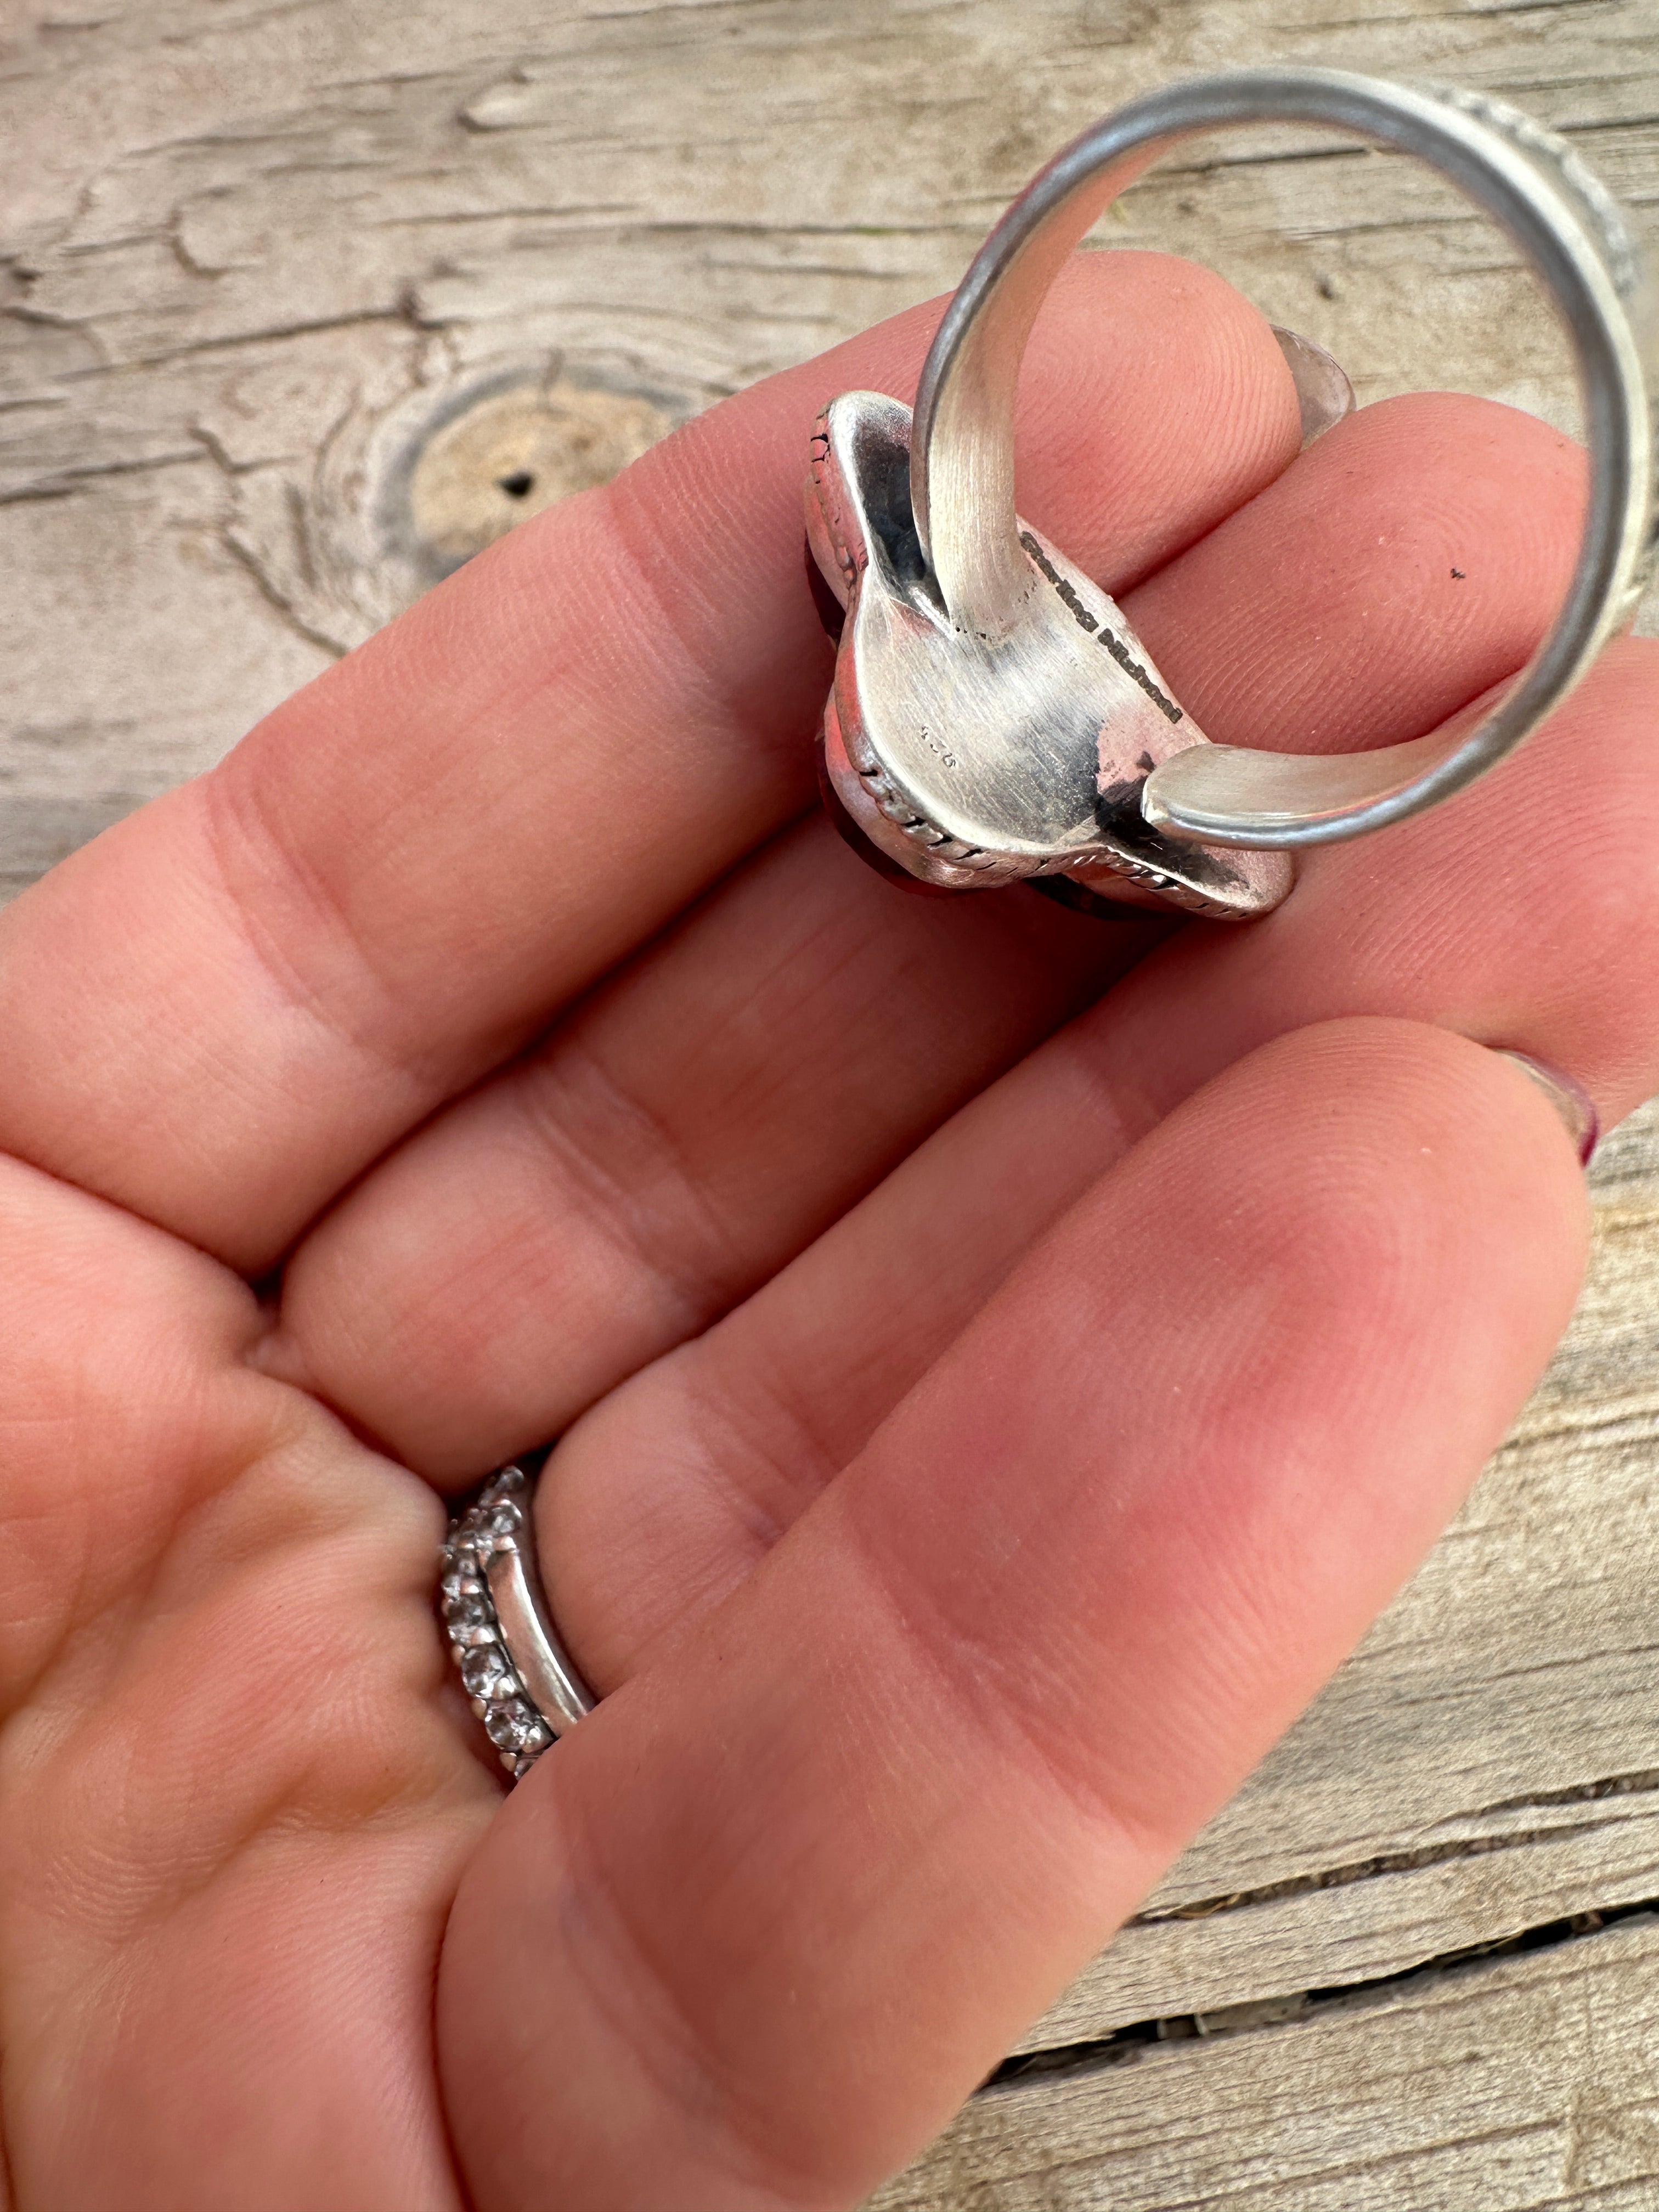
1586 1856
108 701
1520 2085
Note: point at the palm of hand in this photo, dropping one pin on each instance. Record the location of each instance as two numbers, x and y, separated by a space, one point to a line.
1002 1362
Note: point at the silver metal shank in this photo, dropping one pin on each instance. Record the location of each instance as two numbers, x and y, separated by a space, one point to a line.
975 562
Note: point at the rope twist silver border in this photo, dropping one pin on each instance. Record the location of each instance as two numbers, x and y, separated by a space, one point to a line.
1575 238
521 1680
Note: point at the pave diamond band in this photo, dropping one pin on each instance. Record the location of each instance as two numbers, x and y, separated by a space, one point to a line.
522 1683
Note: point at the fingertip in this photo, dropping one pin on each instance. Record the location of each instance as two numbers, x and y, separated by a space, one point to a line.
1404 1114
1572 1104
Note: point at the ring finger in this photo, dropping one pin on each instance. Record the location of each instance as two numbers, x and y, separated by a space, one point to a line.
668 1493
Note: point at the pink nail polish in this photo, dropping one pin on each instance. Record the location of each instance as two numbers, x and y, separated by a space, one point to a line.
1565 1093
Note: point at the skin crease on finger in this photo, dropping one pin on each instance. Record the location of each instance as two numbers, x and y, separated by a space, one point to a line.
945 1737
643 1171
255 987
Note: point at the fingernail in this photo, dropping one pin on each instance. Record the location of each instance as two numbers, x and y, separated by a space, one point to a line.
1566 1094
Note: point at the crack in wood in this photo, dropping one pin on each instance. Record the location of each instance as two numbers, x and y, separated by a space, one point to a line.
67 482
1407 1861
1126 2045
247 559
1582 1793
233 340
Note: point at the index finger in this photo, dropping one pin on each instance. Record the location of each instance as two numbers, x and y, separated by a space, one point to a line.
222 1010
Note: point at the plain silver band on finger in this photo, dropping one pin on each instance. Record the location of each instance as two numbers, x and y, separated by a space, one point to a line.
523 1683
1574 236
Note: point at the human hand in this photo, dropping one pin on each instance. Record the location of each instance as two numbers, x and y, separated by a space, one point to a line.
1003 1361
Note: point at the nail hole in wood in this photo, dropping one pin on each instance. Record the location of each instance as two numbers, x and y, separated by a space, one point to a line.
511 452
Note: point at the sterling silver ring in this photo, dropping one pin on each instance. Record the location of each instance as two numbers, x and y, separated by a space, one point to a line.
977 734
522 1684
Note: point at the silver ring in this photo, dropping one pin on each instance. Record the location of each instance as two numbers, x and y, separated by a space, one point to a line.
962 469
522 1684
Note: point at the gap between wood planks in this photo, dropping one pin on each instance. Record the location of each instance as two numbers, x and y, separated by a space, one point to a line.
1064 2062
1425 1855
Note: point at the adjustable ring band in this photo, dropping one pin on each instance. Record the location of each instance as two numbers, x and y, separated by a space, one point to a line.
962 468
522 1684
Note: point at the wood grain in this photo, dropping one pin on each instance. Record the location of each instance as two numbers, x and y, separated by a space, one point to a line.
260 259
1506 2086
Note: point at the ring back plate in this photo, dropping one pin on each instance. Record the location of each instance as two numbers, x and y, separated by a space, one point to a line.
975 760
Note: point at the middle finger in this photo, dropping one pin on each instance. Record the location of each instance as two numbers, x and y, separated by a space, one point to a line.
672 1145
717 1107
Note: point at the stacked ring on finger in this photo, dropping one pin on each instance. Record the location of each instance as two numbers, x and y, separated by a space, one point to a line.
522 1684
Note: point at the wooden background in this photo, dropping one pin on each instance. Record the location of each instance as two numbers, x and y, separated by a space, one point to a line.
287 287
